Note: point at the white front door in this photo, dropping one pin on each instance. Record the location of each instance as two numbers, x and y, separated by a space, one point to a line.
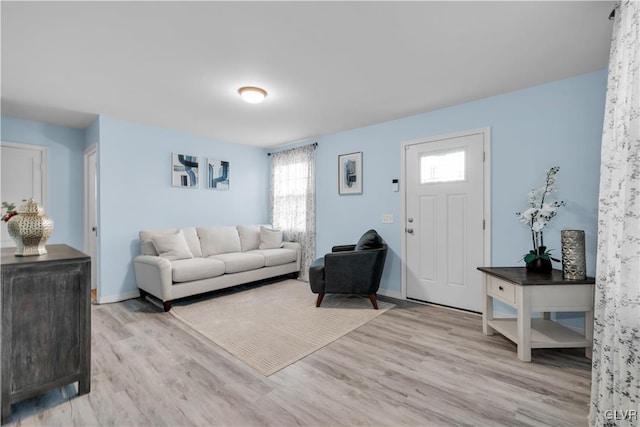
444 220
23 177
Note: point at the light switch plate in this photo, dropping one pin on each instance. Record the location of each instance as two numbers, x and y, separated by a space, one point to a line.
387 219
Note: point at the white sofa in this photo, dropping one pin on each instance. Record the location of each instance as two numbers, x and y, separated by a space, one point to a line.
181 262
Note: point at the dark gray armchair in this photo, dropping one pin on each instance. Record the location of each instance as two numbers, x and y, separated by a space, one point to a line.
350 269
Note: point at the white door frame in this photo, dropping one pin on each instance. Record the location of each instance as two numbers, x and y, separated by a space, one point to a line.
486 132
92 149
44 168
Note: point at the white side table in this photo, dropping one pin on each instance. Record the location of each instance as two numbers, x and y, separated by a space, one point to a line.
537 292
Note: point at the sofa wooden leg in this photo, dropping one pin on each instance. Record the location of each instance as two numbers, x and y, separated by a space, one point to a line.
166 305
319 300
372 298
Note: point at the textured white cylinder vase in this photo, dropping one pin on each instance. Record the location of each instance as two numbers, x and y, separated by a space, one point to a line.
573 255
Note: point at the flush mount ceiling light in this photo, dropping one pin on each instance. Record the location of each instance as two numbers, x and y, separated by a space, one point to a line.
252 94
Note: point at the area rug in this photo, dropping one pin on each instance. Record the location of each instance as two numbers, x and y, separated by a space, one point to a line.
272 326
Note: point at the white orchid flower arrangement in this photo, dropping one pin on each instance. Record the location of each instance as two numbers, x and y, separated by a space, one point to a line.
10 209
537 216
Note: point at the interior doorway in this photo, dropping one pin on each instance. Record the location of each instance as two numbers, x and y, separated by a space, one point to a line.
24 176
446 219
91 214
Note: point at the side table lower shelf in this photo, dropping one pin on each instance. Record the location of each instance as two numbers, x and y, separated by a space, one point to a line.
530 293
544 333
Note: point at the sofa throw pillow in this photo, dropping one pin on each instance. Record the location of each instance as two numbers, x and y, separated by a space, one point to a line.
369 240
172 246
249 236
270 239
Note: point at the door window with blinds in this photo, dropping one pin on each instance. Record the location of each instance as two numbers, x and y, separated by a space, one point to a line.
443 166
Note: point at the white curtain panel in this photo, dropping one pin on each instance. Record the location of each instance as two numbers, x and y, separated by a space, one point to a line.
615 388
293 200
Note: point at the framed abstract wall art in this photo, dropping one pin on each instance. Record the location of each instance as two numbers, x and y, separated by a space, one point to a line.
350 173
184 170
217 174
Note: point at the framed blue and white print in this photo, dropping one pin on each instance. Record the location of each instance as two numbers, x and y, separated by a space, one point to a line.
350 173
184 170
217 174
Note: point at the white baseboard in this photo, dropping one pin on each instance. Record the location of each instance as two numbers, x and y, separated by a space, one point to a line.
390 294
118 298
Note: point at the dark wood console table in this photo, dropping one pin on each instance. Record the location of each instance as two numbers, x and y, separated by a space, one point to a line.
537 292
46 323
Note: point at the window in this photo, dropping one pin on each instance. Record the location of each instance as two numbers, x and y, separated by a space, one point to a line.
293 199
444 166
290 183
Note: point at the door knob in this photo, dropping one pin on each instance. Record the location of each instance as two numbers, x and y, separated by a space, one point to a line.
410 230
410 219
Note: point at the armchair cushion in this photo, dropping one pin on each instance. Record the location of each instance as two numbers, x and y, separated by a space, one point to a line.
355 272
369 240
316 276
350 269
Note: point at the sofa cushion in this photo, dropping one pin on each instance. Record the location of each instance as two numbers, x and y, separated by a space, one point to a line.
277 256
190 235
171 246
249 237
218 240
369 240
186 270
240 261
270 239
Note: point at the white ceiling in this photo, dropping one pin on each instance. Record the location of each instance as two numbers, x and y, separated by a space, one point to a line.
328 66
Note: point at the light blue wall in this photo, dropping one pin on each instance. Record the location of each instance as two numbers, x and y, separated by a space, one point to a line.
553 124
65 147
136 193
92 133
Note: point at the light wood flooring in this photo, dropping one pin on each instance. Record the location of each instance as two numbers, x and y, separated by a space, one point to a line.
416 365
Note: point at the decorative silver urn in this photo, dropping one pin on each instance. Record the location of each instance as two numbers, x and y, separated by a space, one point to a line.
30 229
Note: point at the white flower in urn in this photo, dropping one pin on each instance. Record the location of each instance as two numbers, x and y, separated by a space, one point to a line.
537 216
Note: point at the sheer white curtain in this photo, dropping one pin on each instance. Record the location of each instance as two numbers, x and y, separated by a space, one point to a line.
615 385
293 199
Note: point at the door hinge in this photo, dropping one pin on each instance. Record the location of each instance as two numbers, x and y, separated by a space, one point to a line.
484 156
483 224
